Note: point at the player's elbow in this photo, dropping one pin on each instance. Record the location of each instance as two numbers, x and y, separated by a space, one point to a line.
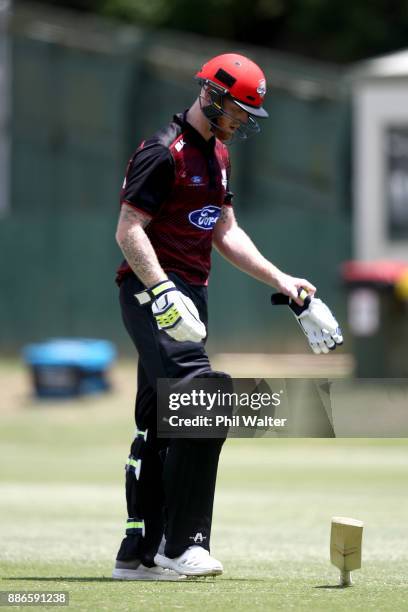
128 233
221 240
123 233
120 236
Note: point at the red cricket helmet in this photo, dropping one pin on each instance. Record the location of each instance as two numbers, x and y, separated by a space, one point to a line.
239 77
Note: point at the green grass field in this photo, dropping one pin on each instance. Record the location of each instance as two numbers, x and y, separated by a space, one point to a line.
62 512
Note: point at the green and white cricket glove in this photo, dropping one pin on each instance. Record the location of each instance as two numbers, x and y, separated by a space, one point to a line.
316 319
174 312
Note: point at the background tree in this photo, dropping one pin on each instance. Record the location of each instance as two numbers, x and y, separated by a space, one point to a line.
332 30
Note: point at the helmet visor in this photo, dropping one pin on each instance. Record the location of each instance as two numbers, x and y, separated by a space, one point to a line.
252 110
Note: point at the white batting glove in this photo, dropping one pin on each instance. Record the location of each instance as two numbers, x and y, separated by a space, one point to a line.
317 321
174 312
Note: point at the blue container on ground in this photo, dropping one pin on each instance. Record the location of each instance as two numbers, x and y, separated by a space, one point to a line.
69 367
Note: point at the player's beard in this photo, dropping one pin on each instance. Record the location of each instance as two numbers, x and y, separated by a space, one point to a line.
222 135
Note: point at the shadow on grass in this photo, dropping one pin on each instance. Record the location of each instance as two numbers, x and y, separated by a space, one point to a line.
330 586
63 578
196 579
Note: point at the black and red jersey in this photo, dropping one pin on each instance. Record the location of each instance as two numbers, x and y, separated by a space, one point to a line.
180 180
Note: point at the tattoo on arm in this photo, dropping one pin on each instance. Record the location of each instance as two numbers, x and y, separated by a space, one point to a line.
223 218
142 258
137 248
130 215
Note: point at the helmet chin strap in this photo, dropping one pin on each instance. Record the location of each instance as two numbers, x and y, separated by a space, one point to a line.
214 126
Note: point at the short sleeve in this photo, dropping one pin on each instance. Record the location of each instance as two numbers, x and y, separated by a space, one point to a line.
149 178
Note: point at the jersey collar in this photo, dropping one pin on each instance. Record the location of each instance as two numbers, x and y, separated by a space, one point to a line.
207 146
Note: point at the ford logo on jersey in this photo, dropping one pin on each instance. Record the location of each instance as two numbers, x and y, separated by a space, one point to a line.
205 218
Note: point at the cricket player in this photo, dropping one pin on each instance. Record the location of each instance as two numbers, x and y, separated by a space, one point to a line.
176 204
